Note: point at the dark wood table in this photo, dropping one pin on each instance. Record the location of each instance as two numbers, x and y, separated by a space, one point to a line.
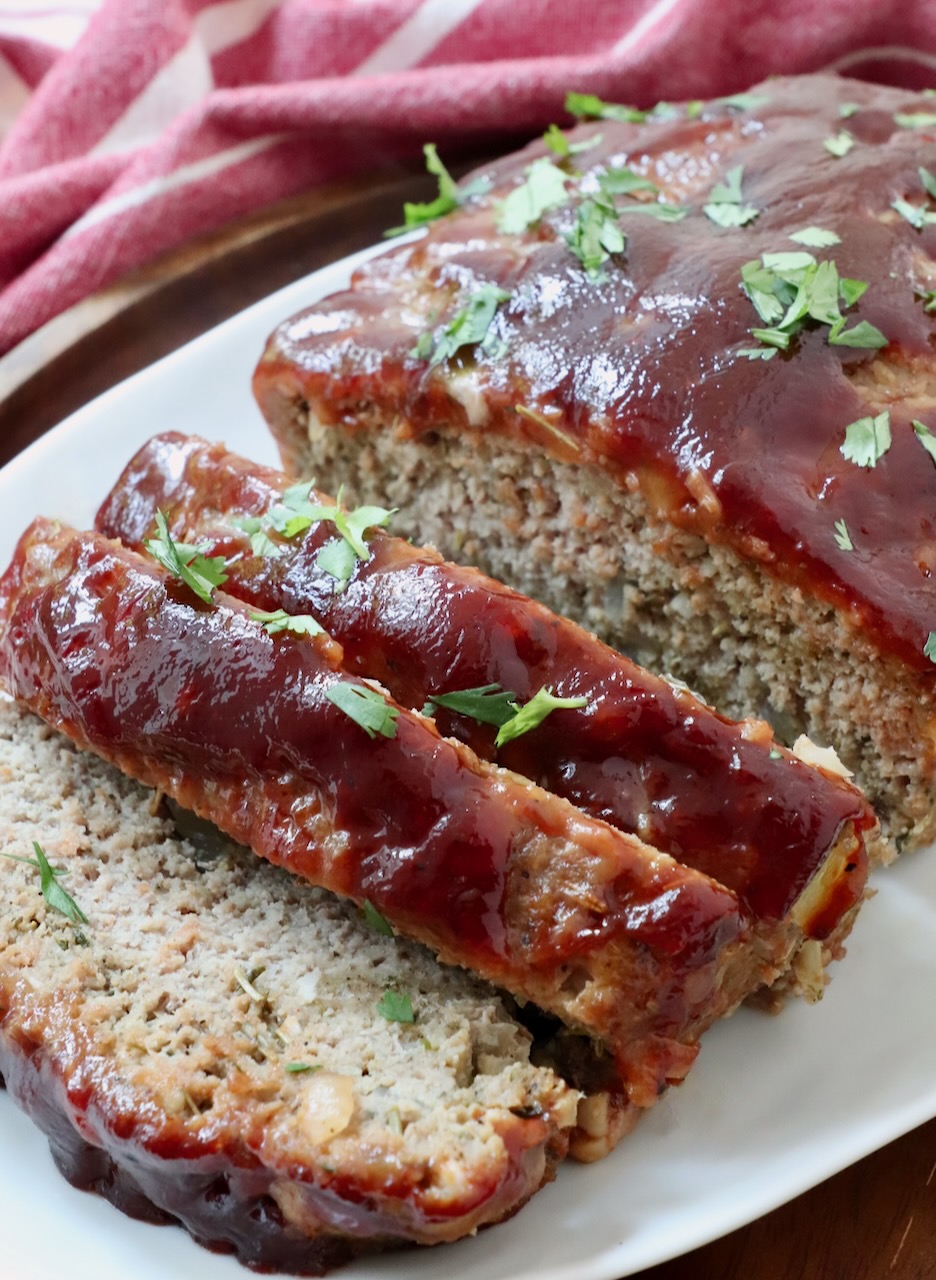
874 1220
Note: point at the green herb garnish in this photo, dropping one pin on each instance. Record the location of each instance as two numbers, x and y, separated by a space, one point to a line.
664 212
624 182
839 144
915 119
396 1006
929 649
260 541
199 572
816 238
848 109
488 704
451 196
533 713
300 1068
725 206
558 141
596 235
366 707
928 298
744 101
543 188
588 106
916 215
376 920
925 437
788 289
51 890
867 440
471 326
843 537
300 624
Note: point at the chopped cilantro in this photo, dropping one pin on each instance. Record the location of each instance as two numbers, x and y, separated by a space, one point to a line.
789 288
929 649
543 188
488 703
916 215
470 326
300 1068
337 558
744 101
366 707
450 196
843 537
929 182
623 182
558 141
758 353
839 144
199 572
867 440
51 890
816 238
396 1006
595 236
848 109
376 920
588 106
915 119
725 206
300 624
664 212
928 298
533 713
925 437
260 541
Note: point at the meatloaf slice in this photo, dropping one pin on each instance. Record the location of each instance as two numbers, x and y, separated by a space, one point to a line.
649 758
212 1042
253 731
713 448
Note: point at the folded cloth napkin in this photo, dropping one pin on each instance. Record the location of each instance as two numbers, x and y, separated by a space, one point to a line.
129 126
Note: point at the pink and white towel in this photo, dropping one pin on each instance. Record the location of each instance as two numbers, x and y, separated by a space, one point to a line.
129 126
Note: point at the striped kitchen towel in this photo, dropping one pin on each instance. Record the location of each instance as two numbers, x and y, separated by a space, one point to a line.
129 126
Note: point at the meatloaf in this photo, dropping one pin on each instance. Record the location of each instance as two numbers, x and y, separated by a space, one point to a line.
673 375
252 729
648 758
205 1039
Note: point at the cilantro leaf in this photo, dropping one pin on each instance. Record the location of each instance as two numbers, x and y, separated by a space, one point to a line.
396 1006
488 703
451 196
867 440
543 188
778 338
533 713
758 353
816 238
843 537
789 288
337 559
558 141
261 544
744 101
862 334
731 215
852 290
199 572
51 890
366 707
595 236
470 326
277 620
588 106
839 144
929 649
623 182
929 182
928 298
925 437
376 920
848 109
916 215
915 119
664 212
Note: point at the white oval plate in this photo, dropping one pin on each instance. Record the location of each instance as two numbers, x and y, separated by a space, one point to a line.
773 1106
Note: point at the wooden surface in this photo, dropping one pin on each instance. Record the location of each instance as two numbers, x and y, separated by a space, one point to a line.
874 1220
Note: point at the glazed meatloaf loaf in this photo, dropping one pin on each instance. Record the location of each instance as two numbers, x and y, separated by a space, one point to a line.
205 1039
673 375
645 756
262 732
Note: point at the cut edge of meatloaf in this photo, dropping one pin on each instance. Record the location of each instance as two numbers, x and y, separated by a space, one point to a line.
603 555
209 1047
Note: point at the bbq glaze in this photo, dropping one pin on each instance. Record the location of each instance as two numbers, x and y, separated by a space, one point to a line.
645 756
642 373
494 873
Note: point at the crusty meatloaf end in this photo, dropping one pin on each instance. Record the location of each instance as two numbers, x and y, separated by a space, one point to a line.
729 476
214 1042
